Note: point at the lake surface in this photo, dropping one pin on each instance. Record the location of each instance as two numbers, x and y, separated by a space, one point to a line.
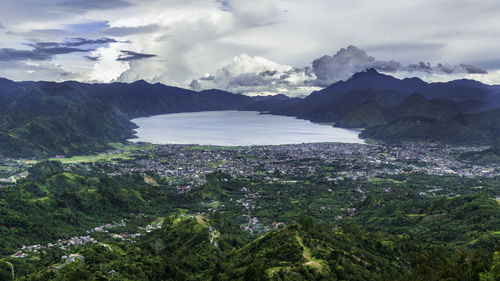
236 128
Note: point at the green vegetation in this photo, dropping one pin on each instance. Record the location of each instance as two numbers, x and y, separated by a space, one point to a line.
70 204
52 119
487 156
45 119
470 129
425 228
93 158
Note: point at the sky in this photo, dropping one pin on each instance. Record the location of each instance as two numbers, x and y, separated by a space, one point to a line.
253 47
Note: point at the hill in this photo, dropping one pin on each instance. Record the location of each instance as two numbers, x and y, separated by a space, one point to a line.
42 119
473 96
407 226
463 129
45 118
141 99
400 110
371 113
487 156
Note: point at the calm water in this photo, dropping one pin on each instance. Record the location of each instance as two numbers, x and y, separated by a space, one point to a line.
236 128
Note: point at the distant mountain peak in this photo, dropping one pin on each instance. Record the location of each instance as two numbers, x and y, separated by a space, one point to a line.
369 73
371 70
141 82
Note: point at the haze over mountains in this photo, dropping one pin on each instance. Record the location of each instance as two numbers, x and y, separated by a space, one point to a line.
47 118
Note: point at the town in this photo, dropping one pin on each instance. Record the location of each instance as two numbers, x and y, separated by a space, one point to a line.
188 164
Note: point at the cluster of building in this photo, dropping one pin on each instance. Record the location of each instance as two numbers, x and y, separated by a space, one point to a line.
142 231
104 228
63 244
186 165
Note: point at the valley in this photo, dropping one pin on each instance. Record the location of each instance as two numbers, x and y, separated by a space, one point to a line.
418 200
150 202
45 119
232 140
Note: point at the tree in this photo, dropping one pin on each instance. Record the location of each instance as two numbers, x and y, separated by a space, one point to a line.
493 274
157 246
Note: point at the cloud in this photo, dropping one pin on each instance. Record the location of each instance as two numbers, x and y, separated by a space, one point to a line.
95 4
347 61
257 75
36 71
61 50
140 71
194 37
43 34
252 13
1 26
224 5
329 69
421 66
47 50
130 55
473 69
207 77
93 58
131 30
8 54
82 41
443 68
195 85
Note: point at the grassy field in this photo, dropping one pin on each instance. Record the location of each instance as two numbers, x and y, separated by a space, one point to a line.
93 158
131 146
123 153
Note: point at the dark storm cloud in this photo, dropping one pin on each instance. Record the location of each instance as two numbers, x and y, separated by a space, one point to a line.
95 4
61 50
385 66
130 55
92 58
126 31
47 50
421 66
82 41
268 73
473 69
444 68
44 45
329 69
8 54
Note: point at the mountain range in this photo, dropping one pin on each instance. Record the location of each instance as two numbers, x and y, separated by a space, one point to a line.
47 118
399 110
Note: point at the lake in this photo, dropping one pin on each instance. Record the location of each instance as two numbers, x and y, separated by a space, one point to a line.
230 128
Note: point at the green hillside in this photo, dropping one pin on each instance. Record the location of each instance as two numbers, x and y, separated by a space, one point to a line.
309 229
487 156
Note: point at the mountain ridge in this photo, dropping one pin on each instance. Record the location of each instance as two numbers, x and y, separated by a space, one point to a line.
47 118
